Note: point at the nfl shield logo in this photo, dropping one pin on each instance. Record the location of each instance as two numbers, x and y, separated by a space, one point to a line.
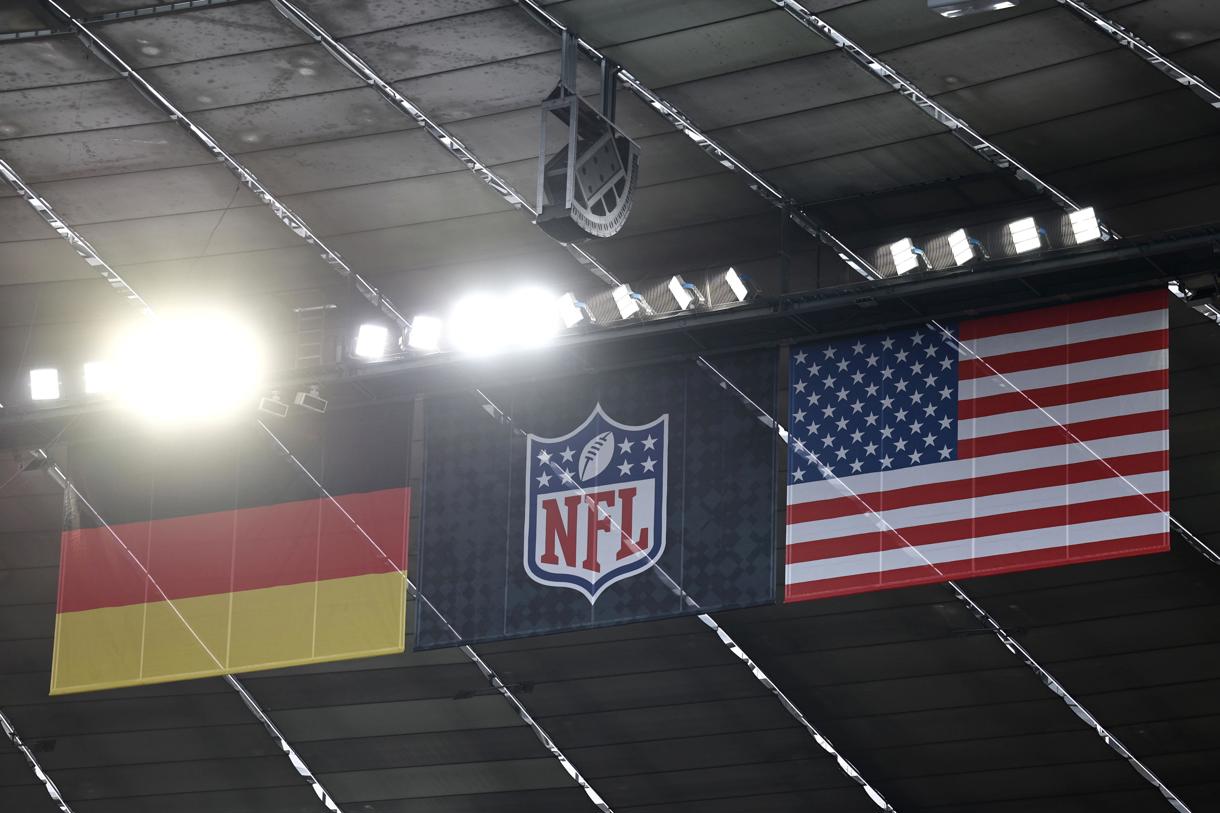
595 503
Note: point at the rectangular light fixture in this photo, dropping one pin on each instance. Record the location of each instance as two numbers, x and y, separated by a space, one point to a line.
1084 225
959 244
572 311
1025 235
44 384
629 303
958 8
97 377
425 333
371 341
739 284
686 294
905 258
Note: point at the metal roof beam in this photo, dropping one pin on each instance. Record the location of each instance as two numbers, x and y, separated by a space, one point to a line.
348 58
108 55
684 125
52 790
1146 52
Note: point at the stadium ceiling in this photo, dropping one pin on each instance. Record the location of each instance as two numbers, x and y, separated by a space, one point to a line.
927 705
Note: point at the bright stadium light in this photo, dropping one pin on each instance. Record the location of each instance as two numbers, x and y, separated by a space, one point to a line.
961 8
529 317
371 341
740 284
187 366
425 333
98 378
906 256
686 294
965 248
572 311
1084 225
44 384
629 303
474 325
1025 234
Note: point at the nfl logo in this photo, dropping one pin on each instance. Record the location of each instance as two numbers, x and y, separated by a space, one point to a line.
595 503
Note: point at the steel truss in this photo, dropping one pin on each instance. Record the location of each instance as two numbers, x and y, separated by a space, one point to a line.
346 57
1146 52
108 55
967 134
726 159
52 790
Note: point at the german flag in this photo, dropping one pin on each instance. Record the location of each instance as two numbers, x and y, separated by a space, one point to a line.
215 553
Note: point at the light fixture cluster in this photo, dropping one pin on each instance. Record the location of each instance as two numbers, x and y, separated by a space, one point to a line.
181 366
486 324
1019 237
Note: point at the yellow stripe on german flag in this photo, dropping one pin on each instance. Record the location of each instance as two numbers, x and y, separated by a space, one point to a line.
238 590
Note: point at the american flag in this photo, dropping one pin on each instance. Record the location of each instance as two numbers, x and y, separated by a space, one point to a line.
1027 440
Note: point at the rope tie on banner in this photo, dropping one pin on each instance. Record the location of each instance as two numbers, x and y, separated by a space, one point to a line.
844 765
975 609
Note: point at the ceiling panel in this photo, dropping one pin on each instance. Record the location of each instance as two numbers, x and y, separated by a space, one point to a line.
350 17
881 26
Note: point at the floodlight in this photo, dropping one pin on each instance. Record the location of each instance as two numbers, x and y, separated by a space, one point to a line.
572 311
686 294
188 365
906 255
44 384
966 248
959 8
740 284
529 318
273 406
630 303
98 378
311 400
371 341
1025 234
1084 225
474 326
425 333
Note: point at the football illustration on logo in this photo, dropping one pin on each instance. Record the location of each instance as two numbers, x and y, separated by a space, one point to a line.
596 455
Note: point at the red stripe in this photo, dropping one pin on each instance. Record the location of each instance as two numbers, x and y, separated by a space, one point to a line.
1064 354
982 566
976 527
1062 314
242 549
1059 435
984 486
1063 394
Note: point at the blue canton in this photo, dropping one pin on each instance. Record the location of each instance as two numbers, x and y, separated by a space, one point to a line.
874 403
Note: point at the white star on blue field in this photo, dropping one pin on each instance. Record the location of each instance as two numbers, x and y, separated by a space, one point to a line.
869 404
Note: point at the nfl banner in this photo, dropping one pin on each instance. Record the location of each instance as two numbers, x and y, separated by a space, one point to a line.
212 552
596 500
1028 440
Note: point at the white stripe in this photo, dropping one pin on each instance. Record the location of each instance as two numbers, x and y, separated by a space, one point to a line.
1060 374
958 550
979 467
1063 334
990 505
1035 418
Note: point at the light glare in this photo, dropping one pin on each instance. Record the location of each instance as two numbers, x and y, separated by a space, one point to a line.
44 384
189 366
571 310
98 379
530 318
371 341
425 333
